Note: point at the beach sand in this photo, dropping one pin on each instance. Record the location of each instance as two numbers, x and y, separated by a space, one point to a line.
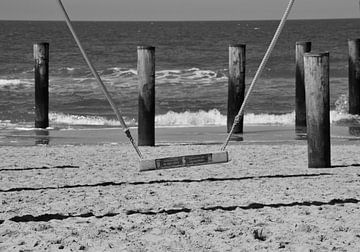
92 197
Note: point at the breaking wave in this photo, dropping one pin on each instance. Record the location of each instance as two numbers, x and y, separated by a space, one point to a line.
174 119
197 119
201 118
66 119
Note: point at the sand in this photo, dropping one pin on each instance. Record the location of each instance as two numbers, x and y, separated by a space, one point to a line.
92 198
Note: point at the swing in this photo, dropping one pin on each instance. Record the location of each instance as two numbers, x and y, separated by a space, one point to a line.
188 160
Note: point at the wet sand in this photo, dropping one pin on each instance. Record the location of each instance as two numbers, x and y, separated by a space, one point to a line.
165 136
92 197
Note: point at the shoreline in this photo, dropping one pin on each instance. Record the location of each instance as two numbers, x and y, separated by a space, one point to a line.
253 134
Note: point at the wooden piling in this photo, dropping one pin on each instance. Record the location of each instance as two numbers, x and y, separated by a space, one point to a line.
236 85
354 76
41 57
317 109
301 48
146 113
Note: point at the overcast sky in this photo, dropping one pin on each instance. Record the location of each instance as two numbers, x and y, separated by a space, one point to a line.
176 9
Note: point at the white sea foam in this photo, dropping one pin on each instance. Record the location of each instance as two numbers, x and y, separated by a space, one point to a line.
168 74
5 82
174 119
60 118
6 124
120 75
270 119
193 119
341 116
118 71
344 119
25 128
336 117
185 119
200 118
15 83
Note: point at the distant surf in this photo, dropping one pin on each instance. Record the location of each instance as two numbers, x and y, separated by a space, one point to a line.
198 119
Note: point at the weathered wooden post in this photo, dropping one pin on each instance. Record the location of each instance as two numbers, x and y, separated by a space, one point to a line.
301 48
236 85
317 109
354 76
41 56
146 113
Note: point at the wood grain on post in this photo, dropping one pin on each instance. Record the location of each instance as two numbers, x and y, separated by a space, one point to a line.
354 76
146 113
41 57
236 85
300 108
317 109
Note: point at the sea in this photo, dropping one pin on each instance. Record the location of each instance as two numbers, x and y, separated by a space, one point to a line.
191 70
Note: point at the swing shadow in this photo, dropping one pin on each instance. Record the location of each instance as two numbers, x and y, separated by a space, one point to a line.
41 168
165 181
251 206
345 166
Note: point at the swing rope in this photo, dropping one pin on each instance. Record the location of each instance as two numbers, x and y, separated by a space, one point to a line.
99 81
259 71
117 111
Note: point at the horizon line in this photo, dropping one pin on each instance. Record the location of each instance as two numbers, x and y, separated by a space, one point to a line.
173 20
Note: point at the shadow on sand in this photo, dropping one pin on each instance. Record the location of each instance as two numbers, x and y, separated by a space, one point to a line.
252 206
164 181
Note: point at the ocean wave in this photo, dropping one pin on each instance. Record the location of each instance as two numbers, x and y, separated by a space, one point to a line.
193 74
167 74
185 119
201 118
6 82
342 104
66 119
270 119
29 128
62 71
341 116
120 72
336 118
120 76
344 119
7 124
15 84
